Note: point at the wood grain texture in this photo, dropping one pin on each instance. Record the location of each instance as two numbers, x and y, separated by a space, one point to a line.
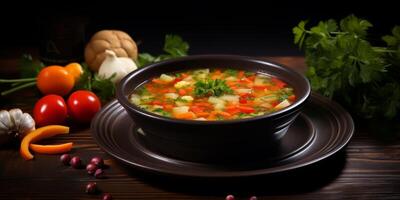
367 169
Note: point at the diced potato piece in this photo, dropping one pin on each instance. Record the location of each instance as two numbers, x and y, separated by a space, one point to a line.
266 105
167 78
201 76
147 98
181 84
243 91
219 106
135 99
260 80
269 98
231 78
201 71
231 98
188 79
157 107
215 100
181 103
187 98
171 95
282 104
180 109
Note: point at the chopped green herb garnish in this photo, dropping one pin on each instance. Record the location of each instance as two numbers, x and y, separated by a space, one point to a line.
231 72
210 87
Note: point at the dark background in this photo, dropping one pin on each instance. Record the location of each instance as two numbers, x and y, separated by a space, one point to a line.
245 27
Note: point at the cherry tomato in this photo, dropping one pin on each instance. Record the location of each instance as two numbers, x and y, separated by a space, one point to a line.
75 69
50 109
55 80
83 105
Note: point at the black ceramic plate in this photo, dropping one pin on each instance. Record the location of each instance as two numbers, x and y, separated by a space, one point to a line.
322 129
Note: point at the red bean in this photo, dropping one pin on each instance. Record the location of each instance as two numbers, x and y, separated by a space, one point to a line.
65 159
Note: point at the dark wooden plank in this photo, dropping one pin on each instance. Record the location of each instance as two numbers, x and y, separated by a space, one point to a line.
368 169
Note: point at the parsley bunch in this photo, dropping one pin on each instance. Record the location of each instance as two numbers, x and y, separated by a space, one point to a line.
174 47
344 65
211 87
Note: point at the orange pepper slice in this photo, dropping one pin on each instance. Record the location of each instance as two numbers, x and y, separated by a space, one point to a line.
39 134
51 149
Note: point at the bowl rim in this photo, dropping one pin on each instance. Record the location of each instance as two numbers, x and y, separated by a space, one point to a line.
124 101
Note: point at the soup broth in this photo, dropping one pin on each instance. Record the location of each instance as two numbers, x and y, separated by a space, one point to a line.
213 94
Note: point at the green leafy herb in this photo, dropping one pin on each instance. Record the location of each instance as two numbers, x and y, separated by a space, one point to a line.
29 67
344 65
161 112
104 88
231 72
174 47
210 87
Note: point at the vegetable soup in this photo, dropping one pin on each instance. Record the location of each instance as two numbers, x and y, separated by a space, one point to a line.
213 94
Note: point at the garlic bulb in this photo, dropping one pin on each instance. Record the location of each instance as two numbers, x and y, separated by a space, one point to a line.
120 66
15 123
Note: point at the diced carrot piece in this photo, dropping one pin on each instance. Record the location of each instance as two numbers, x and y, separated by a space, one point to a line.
168 107
224 114
202 114
233 111
212 116
246 80
177 80
189 89
292 97
260 87
252 77
205 104
273 88
249 103
186 115
240 74
166 90
184 75
156 102
278 83
181 92
159 81
233 87
196 109
246 109
231 83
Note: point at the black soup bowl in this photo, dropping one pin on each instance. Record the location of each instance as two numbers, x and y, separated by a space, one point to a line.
230 141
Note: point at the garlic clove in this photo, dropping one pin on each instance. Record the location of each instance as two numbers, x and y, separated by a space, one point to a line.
16 116
3 129
26 125
128 64
110 66
115 65
5 119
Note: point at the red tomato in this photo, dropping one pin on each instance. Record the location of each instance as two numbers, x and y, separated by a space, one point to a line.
83 105
50 109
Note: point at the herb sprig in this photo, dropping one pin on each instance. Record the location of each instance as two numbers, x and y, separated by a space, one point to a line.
211 87
344 65
174 46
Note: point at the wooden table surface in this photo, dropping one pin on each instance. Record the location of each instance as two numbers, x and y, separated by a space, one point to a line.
367 169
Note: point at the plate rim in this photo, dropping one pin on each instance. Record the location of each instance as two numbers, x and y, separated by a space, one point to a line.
256 172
